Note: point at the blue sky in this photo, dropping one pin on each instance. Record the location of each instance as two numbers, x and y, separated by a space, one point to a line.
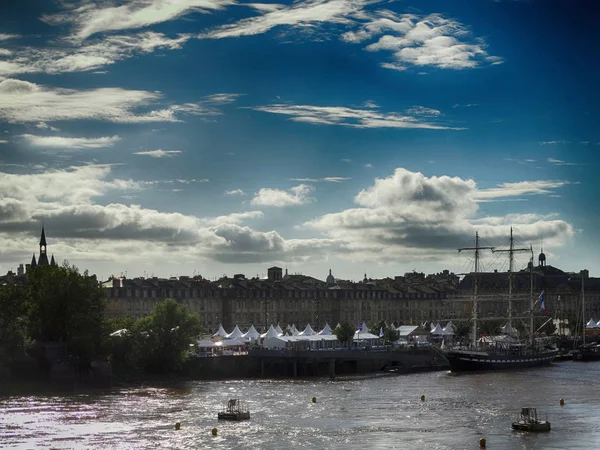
219 136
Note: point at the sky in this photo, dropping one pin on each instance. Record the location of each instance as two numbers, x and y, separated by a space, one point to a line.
210 137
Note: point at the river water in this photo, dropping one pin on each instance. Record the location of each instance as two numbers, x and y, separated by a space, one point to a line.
380 412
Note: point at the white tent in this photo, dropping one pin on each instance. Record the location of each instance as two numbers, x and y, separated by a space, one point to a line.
221 332
363 327
251 333
205 343
271 332
506 330
338 325
437 330
406 330
360 335
591 324
308 331
236 333
278 329
275 342
294 330
313 342
231 343
448 329
326 331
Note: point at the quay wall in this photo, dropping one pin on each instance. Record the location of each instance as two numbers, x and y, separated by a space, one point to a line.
308 363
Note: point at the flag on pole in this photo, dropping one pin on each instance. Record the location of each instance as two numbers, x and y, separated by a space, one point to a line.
381 332
542 302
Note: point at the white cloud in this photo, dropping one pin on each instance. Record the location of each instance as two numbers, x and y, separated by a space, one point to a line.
159 153
23 101
422 111
298 195
3 141
234 192
408 216
431 40
81 228
90 56
303 15
518 189
560 162
354 117
45 126
369 166
66 143
324 179
554 142
5 52
234 218
90 19
6 36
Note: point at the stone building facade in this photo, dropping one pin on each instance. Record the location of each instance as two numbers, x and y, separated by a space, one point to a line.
287 299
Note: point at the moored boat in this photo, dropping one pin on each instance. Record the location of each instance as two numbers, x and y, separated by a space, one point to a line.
501 352
235 410
528 421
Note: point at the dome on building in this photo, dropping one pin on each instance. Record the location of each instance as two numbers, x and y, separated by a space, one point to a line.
330 278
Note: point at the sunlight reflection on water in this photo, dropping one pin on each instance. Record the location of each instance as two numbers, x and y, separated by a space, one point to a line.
377 413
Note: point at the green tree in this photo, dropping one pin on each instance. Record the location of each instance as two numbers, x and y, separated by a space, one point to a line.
67 307
13 332
345 333
165 336
390 334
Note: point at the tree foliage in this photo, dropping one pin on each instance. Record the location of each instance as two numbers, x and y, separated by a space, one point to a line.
390 334
344 332
67 307
165 335
13 330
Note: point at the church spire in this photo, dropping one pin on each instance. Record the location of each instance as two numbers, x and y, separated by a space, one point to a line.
43 258
52 262
43 238
33 262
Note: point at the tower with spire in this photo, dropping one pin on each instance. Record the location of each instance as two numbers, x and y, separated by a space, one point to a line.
42 259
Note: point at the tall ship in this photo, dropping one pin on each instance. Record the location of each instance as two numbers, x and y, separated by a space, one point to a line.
504 352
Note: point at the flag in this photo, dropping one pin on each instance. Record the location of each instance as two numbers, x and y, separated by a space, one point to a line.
542 303
381 332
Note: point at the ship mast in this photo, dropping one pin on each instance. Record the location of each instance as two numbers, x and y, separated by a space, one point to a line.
511 263
476 249
531 299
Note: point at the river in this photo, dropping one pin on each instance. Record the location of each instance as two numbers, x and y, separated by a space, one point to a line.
380 412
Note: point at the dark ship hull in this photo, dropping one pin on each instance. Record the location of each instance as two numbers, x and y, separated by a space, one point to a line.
467 361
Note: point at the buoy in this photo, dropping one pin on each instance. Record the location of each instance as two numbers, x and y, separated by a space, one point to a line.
177 426
314 399
562 402
214 431
422 398
482 443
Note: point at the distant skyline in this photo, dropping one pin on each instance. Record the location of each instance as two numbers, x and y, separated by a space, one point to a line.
216 137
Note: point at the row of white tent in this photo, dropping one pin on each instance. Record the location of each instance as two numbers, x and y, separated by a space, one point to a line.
362 332
437 330
592 324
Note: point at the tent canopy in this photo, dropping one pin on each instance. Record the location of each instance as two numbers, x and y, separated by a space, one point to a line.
308 331
251 333
221 331
326 330
236 333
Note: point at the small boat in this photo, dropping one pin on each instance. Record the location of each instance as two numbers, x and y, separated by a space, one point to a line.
235 410
528 421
